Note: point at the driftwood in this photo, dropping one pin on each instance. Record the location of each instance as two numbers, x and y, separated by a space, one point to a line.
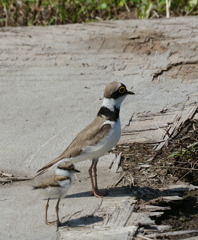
7 177
172 233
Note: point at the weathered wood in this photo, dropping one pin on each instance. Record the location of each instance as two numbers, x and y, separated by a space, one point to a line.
154 208
14 179
124 233
180 187
7 177
156 127
172 233
174 129
121 215
165 199
116 163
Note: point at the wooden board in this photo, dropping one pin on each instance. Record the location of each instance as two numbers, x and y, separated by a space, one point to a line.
156 127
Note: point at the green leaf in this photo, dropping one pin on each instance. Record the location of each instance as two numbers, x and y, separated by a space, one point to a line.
174 154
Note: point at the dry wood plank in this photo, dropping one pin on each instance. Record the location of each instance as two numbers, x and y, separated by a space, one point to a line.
14 179
175 233
156 127
148 127
124 233
116 162
180 118
154 208
121 215
162 228
180 187
165 199
140 219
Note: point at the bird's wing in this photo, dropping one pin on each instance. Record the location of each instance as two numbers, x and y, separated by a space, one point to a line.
51 182
89 136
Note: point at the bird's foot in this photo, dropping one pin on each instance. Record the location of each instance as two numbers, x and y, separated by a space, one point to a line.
98 193
52 223
58 225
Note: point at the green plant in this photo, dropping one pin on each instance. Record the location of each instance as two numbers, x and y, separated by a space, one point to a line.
48 12
187 151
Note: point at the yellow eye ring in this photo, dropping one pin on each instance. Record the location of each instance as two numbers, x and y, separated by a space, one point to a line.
122 90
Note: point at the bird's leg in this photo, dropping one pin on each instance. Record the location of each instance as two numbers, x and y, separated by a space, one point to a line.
91 177
97 191
46 210
57 214
95 173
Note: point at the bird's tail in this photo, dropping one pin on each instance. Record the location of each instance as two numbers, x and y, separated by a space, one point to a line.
48 166
40 172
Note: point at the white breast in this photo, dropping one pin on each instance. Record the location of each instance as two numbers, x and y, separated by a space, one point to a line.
114 135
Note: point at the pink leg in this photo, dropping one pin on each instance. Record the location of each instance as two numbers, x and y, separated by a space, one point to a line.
99 192
91 176
46 210
57 214
95 191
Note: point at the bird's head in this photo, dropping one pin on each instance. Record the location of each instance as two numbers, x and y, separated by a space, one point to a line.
114 94
66 169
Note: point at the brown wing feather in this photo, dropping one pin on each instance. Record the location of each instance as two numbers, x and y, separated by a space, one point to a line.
51 182
89 136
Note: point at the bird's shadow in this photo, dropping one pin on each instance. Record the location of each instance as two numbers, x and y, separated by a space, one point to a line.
82 221
144 193
111 192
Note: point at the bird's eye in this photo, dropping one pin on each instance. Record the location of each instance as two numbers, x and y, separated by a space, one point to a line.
122 90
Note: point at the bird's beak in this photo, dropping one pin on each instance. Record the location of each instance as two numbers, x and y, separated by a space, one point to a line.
76 170
131 93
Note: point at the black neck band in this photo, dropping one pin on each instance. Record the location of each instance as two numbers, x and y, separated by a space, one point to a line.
110 115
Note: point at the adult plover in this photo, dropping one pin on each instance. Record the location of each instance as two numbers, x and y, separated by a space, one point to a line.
98 137
57 186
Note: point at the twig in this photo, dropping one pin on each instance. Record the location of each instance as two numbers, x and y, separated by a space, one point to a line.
126 6
183 176
12 179
148 12
159 128
132 180
190 169
191 10
78 180
168 3
192 145
119 180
